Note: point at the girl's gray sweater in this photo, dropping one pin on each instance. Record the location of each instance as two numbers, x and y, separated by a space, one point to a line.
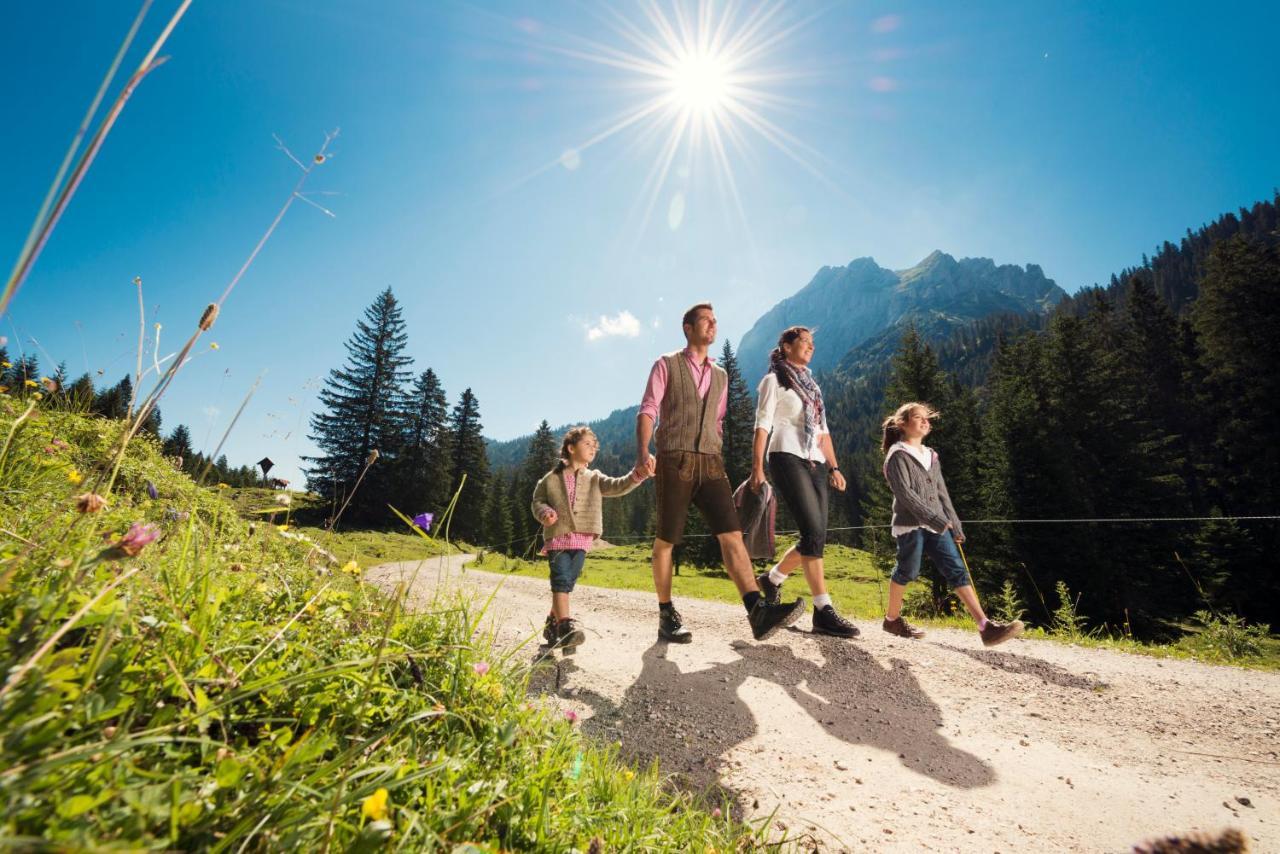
919 496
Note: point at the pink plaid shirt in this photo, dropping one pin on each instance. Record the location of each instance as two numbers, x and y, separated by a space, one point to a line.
573 539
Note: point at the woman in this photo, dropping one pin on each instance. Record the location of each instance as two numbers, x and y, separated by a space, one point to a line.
791 423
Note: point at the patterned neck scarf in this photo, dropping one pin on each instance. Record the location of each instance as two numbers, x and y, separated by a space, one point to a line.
803 384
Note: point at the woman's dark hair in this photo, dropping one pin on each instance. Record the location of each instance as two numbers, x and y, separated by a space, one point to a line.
571 438
777 356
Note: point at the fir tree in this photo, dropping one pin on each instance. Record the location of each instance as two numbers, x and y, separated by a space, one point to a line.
179 443
425 465
739 420
544 450
364 410
470 460
497 517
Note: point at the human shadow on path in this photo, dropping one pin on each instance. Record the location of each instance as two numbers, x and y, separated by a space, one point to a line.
691 720
1050 674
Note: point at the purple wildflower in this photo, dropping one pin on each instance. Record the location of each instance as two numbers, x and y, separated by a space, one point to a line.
424 520
480 667
152 491
139 535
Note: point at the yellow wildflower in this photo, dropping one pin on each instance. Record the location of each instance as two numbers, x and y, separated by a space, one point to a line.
375 806
37 396
74 476
628 774
223 486
6 364
352 567
282 528
30 383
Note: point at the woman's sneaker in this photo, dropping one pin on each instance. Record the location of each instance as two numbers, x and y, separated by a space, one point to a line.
569 636
771 592
902 629
995 633
827 622
550 631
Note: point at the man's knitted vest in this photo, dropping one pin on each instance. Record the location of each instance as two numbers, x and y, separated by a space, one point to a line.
685 421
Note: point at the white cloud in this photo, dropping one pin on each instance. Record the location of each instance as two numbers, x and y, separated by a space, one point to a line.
623 324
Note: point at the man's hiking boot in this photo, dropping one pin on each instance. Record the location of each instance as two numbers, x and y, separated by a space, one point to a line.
771 592
995 633
671 627
827 622
767 619
550 631
902 629
569 636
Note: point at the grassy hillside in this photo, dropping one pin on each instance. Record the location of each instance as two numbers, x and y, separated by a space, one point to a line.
224 686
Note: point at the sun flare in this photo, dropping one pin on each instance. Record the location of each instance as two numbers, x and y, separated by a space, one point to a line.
704 80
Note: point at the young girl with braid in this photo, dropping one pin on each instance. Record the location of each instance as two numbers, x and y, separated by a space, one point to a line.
567 502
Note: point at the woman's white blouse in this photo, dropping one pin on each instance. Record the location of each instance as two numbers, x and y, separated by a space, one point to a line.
780 411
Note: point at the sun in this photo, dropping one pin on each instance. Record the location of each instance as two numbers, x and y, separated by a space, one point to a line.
700 83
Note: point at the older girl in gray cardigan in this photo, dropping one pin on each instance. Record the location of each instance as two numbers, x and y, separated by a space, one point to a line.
568 503
925 522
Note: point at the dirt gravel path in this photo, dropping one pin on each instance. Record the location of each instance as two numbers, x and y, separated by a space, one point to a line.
887 744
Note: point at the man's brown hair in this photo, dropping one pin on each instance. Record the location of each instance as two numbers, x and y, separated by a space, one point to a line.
692 314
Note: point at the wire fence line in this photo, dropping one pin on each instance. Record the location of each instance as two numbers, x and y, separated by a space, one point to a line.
1101 520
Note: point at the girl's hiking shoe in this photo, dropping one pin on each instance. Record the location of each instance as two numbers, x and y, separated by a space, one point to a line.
550 630
903 629
671 627
767 619
771 592
995 633
569 636
827 622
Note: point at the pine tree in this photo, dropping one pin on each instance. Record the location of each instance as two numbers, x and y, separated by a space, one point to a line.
470 460
114 402
497 517
364 411
739 420
179 443
544 450
425 464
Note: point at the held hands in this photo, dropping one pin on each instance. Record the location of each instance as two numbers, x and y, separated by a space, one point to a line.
645 464
837 481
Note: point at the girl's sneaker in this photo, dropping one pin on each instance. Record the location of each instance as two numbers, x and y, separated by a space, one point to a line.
902 629
569 636
994 633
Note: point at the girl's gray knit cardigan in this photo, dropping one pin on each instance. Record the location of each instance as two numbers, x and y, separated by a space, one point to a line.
919 496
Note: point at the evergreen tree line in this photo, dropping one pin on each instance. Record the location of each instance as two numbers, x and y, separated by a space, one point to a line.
21 378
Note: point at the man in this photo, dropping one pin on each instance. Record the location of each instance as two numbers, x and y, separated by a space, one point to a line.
687 396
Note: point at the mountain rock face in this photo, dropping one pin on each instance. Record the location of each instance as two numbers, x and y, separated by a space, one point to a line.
847 306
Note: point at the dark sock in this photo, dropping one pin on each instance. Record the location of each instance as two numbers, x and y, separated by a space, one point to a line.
665 606
751 599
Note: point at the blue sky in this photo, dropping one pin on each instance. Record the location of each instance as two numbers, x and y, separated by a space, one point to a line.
1072 135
